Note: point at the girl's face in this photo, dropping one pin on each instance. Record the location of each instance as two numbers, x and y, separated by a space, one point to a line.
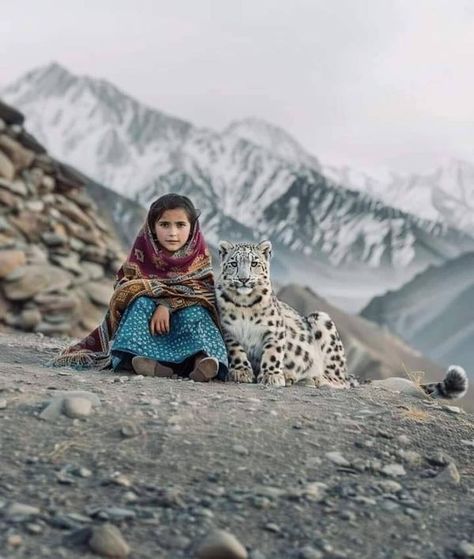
172 229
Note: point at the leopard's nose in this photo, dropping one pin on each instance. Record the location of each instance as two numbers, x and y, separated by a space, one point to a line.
244 280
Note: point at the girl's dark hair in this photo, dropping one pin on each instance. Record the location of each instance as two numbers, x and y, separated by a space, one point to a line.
172 202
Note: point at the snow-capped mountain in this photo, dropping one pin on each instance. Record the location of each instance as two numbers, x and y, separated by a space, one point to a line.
274 139
434 312
445 195
252 180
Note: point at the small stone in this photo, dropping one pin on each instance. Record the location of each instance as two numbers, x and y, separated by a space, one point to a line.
239 449
308 552
338 459
3 404
449 475
467 443
83 472
404 439
117 513
465 549
453 409
272 527
107 540
130 497
34 528
365 500
389 486
20 509
14 540
120 479
440 458
390 506
315 491
130 430
220 544
348 515
411 457
77 407
393 470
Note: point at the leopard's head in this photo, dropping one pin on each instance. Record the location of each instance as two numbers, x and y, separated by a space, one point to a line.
245 271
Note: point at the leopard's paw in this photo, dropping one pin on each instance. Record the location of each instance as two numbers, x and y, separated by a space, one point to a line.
242 374
271 379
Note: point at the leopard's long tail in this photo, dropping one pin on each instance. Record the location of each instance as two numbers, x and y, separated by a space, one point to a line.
454 385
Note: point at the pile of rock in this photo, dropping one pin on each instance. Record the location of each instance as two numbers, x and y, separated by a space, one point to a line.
57 257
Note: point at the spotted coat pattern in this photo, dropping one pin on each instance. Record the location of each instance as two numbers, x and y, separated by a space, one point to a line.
267 340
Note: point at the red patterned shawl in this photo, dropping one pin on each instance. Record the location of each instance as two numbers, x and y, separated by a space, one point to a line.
179 280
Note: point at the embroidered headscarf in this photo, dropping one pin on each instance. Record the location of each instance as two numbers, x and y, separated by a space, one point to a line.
178 280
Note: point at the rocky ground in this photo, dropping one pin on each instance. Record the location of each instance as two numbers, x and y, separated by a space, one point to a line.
291 473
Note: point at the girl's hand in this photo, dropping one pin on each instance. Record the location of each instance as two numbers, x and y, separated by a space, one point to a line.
160 321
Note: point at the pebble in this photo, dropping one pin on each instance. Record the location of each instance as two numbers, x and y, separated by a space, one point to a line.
20 509
3 404
272 527
453 409
467 443
77 407
411 457
120 479
450 474
130 430
389 486
365 500
239 449
14 540
390 506
107 540
338 459
393 470
465 549
348 515
116 513
440 458
221 544
403 439
308 552
34 528
315 491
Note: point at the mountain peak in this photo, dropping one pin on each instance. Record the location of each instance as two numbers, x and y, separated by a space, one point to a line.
273 138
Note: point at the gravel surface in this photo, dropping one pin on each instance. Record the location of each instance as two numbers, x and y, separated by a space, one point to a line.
102 464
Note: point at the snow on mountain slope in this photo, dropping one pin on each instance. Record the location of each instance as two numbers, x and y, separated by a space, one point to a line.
251 181
92 125
445 195
274 139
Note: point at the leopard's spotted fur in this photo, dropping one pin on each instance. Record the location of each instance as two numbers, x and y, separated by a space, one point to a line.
267 340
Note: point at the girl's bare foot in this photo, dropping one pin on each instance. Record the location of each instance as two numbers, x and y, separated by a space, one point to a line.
149 368
205 369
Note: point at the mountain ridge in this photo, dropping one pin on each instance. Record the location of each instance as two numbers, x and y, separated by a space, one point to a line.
242 186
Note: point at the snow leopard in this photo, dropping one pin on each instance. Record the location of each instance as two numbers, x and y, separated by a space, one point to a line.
269 342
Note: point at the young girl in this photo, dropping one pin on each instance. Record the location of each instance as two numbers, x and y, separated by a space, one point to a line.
162 317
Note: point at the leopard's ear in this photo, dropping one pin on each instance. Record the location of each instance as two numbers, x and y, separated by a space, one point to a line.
266 249
224 248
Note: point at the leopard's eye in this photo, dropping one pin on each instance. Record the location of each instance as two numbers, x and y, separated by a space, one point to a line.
233 264
254 263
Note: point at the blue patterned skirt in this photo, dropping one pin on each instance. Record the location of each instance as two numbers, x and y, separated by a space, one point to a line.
192 331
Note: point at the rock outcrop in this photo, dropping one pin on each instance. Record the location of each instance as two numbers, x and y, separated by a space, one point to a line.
57 256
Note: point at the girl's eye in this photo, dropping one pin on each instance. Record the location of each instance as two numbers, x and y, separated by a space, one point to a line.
254 263
163 224
233 264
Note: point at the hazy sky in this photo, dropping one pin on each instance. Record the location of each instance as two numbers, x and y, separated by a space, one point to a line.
369 83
